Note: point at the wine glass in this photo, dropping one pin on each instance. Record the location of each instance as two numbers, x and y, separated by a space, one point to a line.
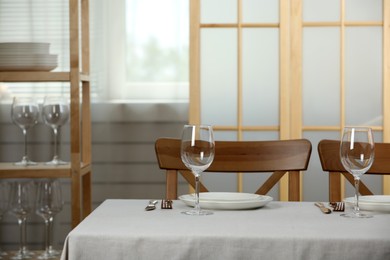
4 194
357 156
21 203
197 153
25 113
55 113
49 202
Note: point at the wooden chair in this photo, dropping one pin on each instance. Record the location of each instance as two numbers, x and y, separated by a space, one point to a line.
278 157
328 151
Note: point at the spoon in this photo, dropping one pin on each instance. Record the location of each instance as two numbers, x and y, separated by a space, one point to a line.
151 205
323 208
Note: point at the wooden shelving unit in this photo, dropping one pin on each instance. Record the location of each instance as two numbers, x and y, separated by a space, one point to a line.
79 169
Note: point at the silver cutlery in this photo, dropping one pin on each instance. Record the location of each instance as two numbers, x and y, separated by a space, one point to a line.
151 205
337 206
323 208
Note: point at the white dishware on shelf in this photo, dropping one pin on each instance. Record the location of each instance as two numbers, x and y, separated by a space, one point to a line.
357 155
26 56
197 153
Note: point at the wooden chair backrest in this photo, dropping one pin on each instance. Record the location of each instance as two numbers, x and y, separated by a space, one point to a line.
329 153
279 157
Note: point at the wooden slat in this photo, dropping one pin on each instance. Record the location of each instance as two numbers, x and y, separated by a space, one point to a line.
386 84
9 170
194 105
236 25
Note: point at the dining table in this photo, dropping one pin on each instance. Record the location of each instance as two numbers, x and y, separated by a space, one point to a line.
123 229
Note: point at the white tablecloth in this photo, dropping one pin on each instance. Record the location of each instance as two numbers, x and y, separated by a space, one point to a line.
122 229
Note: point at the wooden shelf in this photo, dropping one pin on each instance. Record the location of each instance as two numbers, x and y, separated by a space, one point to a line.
9 170
38 76
79 169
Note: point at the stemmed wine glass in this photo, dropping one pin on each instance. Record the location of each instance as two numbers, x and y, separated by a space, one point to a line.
25 113
49 202
197 153
55 113
21 203
4 194
357 156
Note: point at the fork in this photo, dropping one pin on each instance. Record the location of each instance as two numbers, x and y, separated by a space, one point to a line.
166 204
337 206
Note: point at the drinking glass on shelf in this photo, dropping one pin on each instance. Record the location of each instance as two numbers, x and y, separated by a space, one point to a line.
25 114
197 153
48 203
4 194
21 203
357 156
55 113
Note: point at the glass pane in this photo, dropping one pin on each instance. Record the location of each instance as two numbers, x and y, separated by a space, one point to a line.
363 10
260 135
260 76
253 181
260 11
320 10
218 11
321 76
225 135
363 76
218 76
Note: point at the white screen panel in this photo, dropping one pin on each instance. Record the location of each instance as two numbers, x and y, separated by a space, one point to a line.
321 76
218 11
363 76
260 135
260 11
321 11
260 76
363 10
218 78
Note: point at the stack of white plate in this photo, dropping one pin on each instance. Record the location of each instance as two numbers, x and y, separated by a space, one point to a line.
371 202
227 200
26 56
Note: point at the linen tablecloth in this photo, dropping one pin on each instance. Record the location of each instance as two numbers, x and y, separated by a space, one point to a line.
122 229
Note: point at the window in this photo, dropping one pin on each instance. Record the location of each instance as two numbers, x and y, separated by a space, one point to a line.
147 50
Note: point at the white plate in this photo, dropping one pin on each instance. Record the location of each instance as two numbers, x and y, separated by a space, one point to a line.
371 203
227 200
24 47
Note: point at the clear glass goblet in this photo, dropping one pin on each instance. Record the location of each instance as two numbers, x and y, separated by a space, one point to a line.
55 113
48 203
21 204
25 114
357 155
197 153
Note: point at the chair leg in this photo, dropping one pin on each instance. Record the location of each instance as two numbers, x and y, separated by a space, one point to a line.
334 186
171 187
294 186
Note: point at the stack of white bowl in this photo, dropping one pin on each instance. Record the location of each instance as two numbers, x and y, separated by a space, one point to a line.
26 56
